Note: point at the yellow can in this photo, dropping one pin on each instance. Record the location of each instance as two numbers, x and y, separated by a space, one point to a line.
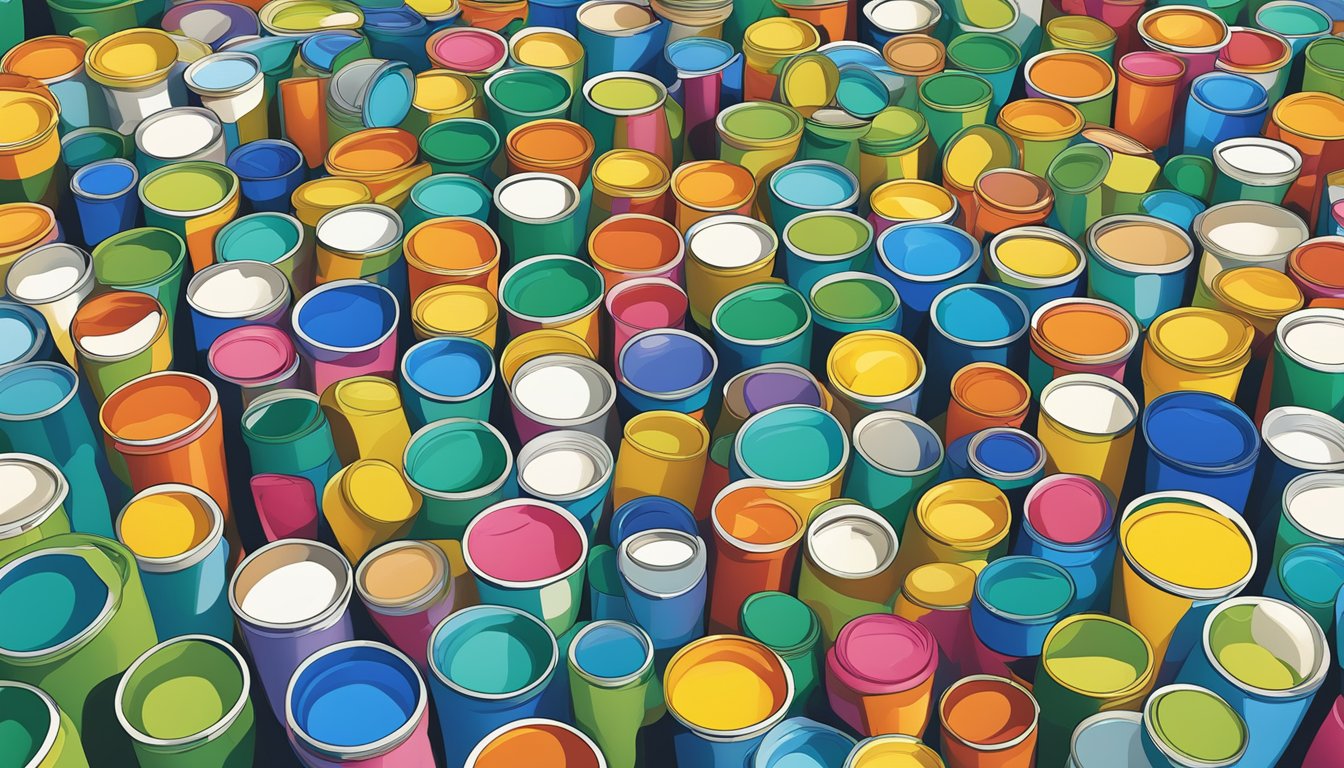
1087 427
30 148
533 344
875 370
727 252
662 453
366 419
551 49
959 521
456 309
906 200
1192 348
314 199
442 95
367 504
1259 295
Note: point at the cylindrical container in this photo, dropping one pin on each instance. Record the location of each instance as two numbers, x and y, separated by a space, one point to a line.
88 621
1222 106
619 36
1298 23
767 46
808 742
456 310
630 181
347 328
194 200
1305 372
1323 72
549 145
1008 198
1298 440
1078 335
726 693
104 198
1200 442
708 187
570 469
398 33
952 101
475 52
1073 77
727 253
848 566
756 539
1077 175
802 448
315 199
559 292
446 377
386 160
921 260
277 239
1104 736
1196 349
451 250
822 243
988 721
703 67
1080 33
269 171
446 194
810 186
845 302
37 510
1036 264
291 598
1138 263
764 387
1194 34
1313 123
1017 600
286 433
985 395
1313 264
1304 516
53 279
788 627
666 369
1087 427
1148 79
971 152
882 692
360 242
1268 676
1261 55
442 95
914 58
745 336
407 587
938 596
31 342
1041 129
942 530
51 736
762 137
1090 663
255 359
519 741
375 680
663 573
188 699
1185 725
86 145
993 57
520 95
875 370
883 20
366 504
628 246
561 390
1310 577
299 18
133 67
1254 168
529 555
29 225
1070 521
549 48
460 467
628 110
231 85
662 453
899 749
224 296
119 336
540 213
1163 587
461 145
58 62
971 323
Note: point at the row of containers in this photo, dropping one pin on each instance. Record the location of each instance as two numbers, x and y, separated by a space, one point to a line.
509 384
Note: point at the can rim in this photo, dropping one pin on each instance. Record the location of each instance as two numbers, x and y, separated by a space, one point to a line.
887 338
1310 480
440 584
571 190
230 193
854 276
1106 90
468 614
53 720
269 272
40 515
1123 352
193 69
805 326
473 493
590 445
705 383
986 471
999 342
1140 681
552 507
1309 420
297 312
841 511
1035 281
736 734
1170 752
592 83
1213 506
1092 380
211 732
608 682
83 636
82 285
161 330
473 759
1101 225
1003 746
799 530
838 208
973 260
1253 178
328 616
486 384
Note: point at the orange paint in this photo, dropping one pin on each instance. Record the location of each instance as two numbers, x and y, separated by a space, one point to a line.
988 722
1072 75
373 150
625 246
1185 28
1083 330
714 184
985 395
537 743
451 250
1319 261
550 146
46 57
918 55
756 544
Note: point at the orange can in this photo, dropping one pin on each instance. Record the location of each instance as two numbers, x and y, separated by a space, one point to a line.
756 538
985 395
632 245
988 722
1148 84
1007 198
550 146
303 116
386 160
1313 124
709 187
451 249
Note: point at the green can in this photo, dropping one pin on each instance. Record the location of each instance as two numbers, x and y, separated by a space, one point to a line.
541 214
833 135
463 145
1324 68
1192 174
40 513
951 101
517 96
186 702
1307 513
785 625
148 260
613 686
1076 177
37 734
1305 373
991 56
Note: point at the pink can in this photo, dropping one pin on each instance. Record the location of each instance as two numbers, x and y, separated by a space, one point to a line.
256 359
408 588
879 675
644 304
1329 742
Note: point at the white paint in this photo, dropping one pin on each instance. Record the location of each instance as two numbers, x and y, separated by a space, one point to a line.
560 472
853 545
1257 159
360 230
555 392
290 594
178 135
1320 341
1320 510
730 244
1254 238
535 198
901 15
125 341
1307 446
229 291
896 444
1090 408
24 489
1285 634
47 284
342 20
615 17
206 24
660 552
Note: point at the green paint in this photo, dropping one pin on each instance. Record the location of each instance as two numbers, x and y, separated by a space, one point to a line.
182 689
1244 657
955 91
1096 655
761 121
893 130
458 457
1191 174
721 450
781 621
494 655
528 91
24 722
625 94
460 141
1080 169
982 52
1027 588
828 235
1293 20
854 299
187 188
1327 53
551 288
762 312
1198 725
138 257
283 420
260 237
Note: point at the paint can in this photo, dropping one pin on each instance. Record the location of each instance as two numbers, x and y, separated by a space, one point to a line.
287 435
133 67
1017 600
53 279
37 509
1197 349
923 259
386 160
460 467
941 529
896 749
787 626
540 214
972 323
1311 123
1305 373
801 448
442 95
1310 577
1146 79
570 469
985 395
462 145
1079 335
756 538
104 198
445 377
762 323
666 369
194 200
728 252
475 52
519 95
1087 427
234 294
807 742
1312 267
254 359
1185 725
521 740
446 194
663 573
1221 462
1041 128
1299 440
897 458
876 370
549 145
1082 79
120 336
366 504
51 736
277 239
988 721
347 328
848 566
890 693
706 188
1128 251
1303 515
407 588
1070 521
820 244
146 260
761 136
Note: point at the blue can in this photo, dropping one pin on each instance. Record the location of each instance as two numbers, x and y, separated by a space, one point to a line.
971 323
1070 521
218 302
637 47
665 369
269 171
809 186
105 198
664 575
25 335
606 594
490 665
1036 291
398 33
447 377
1198 441
1172 206
558 14
1005 457
1222 106
921 260
1273 692
799 742
761 323
647 513
570 469
1309 576
1017 601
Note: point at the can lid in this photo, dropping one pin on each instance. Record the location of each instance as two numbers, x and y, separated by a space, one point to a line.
133 58
894 130
29 119
24 225
781 621
630 173
48 58
1195 337
809 82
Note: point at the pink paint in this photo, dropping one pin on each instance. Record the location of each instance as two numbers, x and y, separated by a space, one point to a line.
469 50
1252 48
1329 742
1151 64
883 653
643 304
1068 509
252 354
523 542
286 506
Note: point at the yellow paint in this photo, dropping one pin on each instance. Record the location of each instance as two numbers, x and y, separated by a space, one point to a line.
371 395
911 200
625 94
1202 337
967 159
1158 538
438 90
379 492
454 309
895 752
941 585
164 525
27 117
669 434
1185 28
989 14
549 50
720 695
1037 257
629 169
780 34
874 364
964 512
1258 290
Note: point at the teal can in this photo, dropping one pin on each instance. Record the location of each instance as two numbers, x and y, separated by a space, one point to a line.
460 466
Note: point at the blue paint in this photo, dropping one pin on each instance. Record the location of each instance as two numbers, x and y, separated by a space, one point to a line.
1199 429
105 178
448 366
58 596
264 159
1008 452
611 651
16 337
856 53
389 97
979 314
813 185
1173 206
321 49
354 696
1312 572
451 195
1228 93
666 362
927 250
348 316
699 54
31 390
225 74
